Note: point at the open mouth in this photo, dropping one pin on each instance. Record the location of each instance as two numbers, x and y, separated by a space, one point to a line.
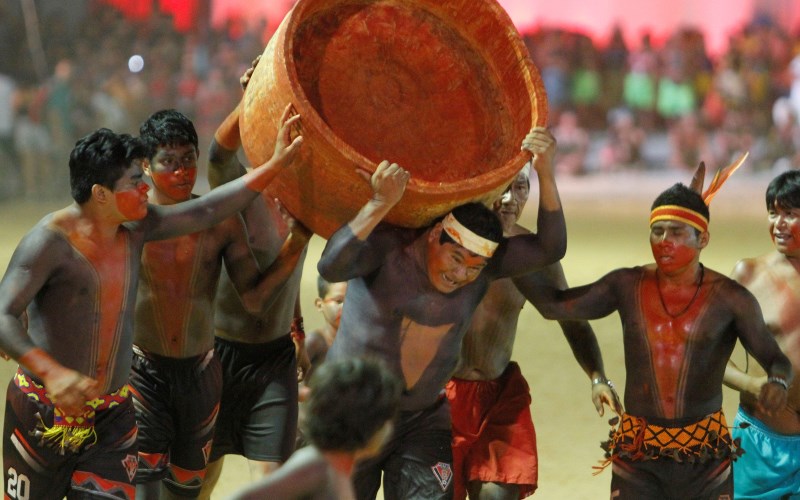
448 282
782 237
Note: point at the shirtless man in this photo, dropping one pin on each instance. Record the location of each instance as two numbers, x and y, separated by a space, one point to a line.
176 378
329 303
410 296
489 398
69 423
770 466
349 417
260 350
680 322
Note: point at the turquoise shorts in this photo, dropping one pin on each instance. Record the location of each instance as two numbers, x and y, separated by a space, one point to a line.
770 466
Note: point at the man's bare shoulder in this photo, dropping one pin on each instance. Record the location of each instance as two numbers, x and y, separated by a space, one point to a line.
749 269
518 230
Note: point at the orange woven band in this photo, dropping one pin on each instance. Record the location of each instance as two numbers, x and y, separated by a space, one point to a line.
680 214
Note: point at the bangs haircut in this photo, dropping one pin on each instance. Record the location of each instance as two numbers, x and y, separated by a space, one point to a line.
784 191
167 127
101 157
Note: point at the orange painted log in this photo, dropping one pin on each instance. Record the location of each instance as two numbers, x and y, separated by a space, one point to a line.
445 88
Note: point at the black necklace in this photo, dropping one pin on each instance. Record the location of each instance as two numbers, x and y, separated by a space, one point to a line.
696 292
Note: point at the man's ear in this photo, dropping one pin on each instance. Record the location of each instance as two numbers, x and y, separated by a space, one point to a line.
146 167
101 194
703 239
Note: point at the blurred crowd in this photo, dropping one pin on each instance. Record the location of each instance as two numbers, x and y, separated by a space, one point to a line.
661 103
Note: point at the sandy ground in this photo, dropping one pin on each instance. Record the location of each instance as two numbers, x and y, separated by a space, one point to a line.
607 221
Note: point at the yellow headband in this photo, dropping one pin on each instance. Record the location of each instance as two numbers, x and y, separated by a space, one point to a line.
688 216
466 238
680 214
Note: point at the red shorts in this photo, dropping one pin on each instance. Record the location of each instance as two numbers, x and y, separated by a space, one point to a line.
493 436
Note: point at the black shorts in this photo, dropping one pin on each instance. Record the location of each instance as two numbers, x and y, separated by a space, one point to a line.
667 479
177 401
101 469
416 462
258 410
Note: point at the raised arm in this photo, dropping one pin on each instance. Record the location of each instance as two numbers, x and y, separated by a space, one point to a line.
579 334
261 222
344 256
525 253
197 214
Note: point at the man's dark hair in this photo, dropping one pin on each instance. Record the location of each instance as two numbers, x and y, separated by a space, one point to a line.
101 157
784 191
323 286
351 399
167 127
683 196
479 219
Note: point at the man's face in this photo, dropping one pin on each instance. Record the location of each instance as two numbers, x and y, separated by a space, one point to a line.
331 304
675 245
509 206
451 266
784 229
173 170
130 193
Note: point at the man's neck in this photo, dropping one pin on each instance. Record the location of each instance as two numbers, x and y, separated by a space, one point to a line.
688 276
91 222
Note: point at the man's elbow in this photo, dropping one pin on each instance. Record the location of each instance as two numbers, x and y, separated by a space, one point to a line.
556 252
328 272
547 312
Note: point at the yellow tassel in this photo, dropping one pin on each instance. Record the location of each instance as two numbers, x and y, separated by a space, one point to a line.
67 437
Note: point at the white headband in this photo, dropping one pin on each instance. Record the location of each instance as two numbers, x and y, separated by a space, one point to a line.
466 238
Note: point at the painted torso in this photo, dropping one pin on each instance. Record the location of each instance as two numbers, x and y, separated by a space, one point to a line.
675 363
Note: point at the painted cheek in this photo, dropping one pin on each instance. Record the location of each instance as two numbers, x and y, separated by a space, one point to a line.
681 256
794 230
177 185
132 203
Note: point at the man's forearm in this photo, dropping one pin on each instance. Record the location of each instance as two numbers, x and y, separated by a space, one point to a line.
583 343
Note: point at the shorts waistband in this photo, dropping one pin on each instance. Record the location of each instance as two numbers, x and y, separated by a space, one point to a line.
257 347
37 392
198 360
761 427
